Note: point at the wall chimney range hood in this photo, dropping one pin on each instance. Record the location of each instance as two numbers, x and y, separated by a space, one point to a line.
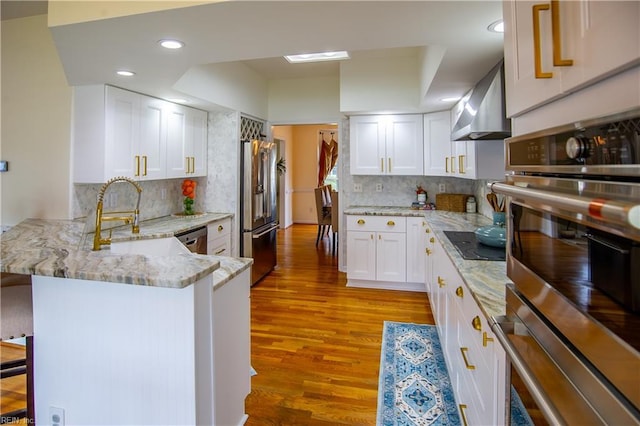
481 113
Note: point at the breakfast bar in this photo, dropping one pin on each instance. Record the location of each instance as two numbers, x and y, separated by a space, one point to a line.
129 337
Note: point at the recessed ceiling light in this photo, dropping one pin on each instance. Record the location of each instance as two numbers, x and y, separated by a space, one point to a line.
450 99
497 27
316 57
125 73
171 44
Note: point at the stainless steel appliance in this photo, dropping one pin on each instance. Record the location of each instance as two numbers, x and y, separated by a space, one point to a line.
194 239
258 206
572 328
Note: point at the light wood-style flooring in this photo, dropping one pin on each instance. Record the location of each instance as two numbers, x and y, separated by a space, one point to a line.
315 343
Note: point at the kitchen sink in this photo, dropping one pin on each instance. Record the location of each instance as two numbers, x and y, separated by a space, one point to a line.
170 246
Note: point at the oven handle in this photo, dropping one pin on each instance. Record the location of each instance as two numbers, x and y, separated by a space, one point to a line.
606 244
544 403
598 208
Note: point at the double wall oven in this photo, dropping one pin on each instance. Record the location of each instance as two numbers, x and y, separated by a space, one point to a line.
572 325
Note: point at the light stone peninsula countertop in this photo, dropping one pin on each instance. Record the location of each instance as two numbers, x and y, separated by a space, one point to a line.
486 279
62 248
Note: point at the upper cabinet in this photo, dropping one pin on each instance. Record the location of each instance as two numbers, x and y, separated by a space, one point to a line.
386 144
556 48
122 133
463 159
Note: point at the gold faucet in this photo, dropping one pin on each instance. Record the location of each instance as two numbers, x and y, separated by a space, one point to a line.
98 241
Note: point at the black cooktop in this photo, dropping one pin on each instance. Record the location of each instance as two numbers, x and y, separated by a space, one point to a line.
471 249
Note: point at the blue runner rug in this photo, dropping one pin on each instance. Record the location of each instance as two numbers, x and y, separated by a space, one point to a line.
414 386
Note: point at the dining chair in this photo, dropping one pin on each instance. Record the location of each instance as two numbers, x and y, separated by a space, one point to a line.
323 212
16 321
335 220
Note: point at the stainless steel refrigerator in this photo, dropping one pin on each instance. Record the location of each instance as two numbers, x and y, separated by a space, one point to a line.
258 207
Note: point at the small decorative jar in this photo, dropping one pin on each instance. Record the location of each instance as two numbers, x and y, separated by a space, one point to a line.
471 205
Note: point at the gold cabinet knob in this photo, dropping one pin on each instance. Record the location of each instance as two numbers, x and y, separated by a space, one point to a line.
220 228
432 240
459 292
360 221
391 223
428 252
427 231
476 323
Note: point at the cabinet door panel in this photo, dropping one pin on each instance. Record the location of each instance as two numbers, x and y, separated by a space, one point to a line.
404 146
361 255
367 145
416 245
197 141
153 138
176 142
390 256
122 131
437 143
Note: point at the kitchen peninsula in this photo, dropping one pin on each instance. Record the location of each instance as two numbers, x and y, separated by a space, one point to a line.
130 338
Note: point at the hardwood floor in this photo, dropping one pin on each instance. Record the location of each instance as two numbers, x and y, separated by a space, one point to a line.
314 342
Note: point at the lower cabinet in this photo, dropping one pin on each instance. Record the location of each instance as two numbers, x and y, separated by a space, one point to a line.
475 359
219 238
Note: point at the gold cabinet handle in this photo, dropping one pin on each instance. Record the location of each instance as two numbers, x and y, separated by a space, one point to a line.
432 240
137 160
222 250
476 323
188 164
220 228
555 34
427 231
453 165
193 164
428 252
144 169
446 164
371 236
486 339
382 164
463 351
461 164
389 170
463 407
537 54
391 223
441 282
459 292
360 221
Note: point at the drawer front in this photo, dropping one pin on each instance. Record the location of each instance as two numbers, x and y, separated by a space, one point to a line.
376 223
219 228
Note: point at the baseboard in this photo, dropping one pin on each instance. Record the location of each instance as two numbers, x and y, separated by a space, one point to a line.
387 285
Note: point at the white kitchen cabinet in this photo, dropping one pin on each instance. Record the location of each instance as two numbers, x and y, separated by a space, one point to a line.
376 251
186 142
600 38
219 238
386 144
475 359
437 143
463 159
121 133
417 242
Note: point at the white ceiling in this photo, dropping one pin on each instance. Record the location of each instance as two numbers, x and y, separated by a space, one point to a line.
258 33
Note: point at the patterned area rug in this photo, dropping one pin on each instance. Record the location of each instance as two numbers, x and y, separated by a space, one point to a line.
414 386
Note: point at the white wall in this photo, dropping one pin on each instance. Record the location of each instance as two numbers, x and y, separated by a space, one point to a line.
304 100
230 85
36 124
380 85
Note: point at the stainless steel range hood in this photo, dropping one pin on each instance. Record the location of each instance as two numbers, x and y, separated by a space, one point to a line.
481 113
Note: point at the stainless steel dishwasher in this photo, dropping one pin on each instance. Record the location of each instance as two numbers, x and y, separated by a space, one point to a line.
194 239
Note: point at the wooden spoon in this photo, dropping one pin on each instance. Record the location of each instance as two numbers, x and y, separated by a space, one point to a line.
493 201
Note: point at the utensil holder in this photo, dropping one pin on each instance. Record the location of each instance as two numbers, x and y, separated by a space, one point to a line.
499 219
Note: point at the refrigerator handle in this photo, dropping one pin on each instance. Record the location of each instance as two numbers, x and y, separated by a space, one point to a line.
274 226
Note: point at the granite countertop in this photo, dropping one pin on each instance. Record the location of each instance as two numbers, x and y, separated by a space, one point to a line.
486 279
62 248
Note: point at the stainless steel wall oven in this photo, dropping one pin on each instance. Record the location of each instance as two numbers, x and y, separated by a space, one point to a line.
572 327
